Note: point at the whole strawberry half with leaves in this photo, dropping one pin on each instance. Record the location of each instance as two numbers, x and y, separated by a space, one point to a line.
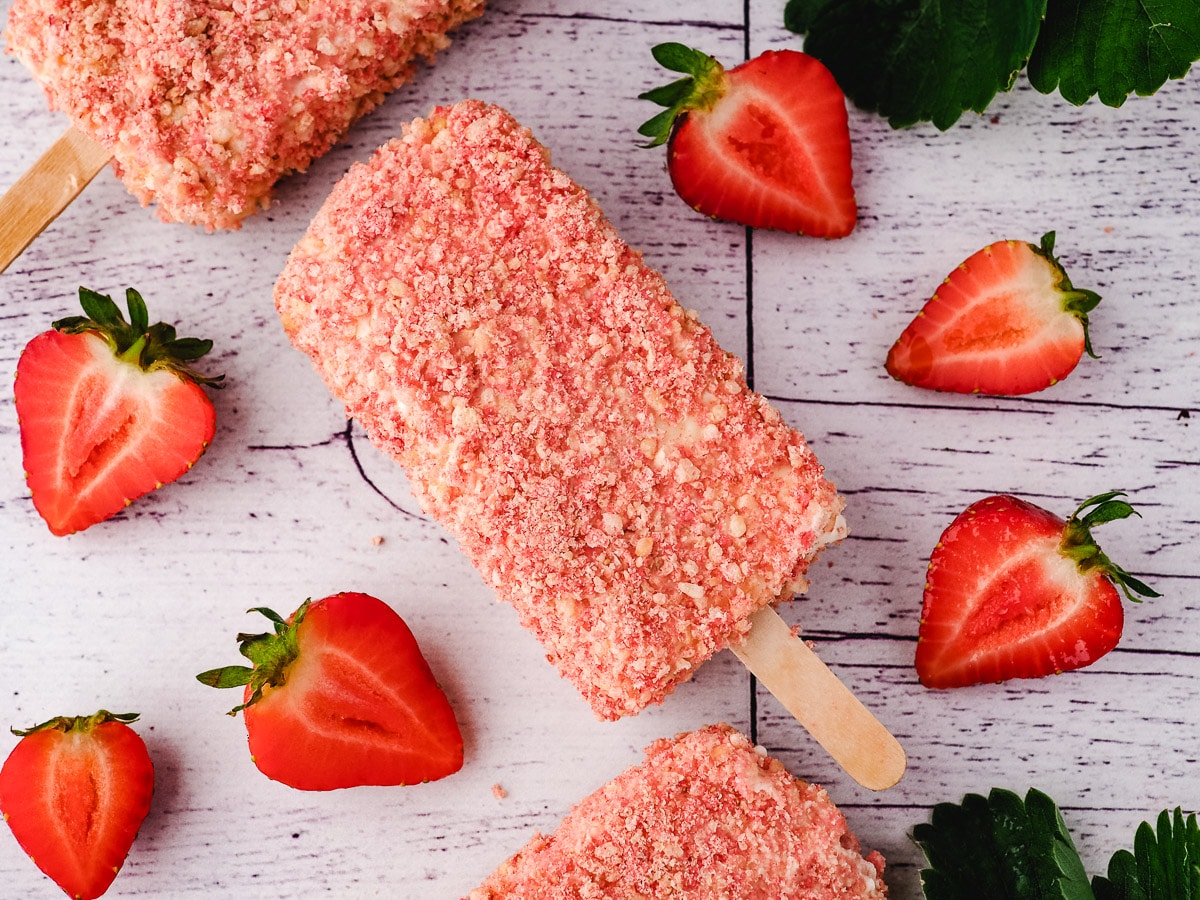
340 695
1013 591
75 791
765 144
109 410
1006 321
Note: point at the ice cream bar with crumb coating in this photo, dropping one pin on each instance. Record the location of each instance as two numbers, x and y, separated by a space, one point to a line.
597 454
205 105
706 815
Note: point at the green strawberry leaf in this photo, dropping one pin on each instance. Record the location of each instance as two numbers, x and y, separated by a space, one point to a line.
1000 848
921 60
1162 866
799 15
1114 48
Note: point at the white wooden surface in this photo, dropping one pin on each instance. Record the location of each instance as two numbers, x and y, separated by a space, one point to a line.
289 499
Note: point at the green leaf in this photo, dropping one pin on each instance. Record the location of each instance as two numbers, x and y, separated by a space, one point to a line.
136 341
922 60
1000 848
1163 865
226 676
799 15
100 307
139 317
700 90
680 58
1114 48
1079 545
668 94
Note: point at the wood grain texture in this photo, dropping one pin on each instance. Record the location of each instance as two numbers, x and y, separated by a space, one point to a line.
290 500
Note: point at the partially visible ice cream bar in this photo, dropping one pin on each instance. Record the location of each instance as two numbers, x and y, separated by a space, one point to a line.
205 105
597 454
706 815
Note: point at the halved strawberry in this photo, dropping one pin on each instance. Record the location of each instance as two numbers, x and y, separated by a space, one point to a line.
109 410
1013 591
340 695
1006 321
765 144
75 791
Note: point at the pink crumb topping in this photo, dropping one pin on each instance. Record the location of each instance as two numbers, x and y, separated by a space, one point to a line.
597 454
205 104
704 816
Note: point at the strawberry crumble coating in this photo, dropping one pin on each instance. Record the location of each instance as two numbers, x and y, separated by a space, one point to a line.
706 815
205 104
597 454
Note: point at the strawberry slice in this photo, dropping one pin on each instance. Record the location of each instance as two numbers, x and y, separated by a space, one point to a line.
339 695
109 410
765 144
1013 591
1006 321
75 791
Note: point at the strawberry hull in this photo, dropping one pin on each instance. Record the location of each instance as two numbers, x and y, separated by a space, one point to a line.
341 696
1006 321
97 432
75 801
1007 595
757 160
765 144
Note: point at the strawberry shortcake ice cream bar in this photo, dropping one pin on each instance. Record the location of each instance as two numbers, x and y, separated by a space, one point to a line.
599 457
205 105
707 815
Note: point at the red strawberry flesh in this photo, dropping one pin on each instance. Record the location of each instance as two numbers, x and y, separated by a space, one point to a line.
109 410
342 696
1007 596
1006 321
754 160
765 144
97 432
76 798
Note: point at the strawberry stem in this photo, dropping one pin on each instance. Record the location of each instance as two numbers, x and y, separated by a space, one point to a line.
1076 301
137 341
701 89
1079 545
271 653
77 723
134 353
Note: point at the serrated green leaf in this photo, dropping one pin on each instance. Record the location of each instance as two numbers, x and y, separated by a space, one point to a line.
799 15
1164 865
1070 877
1114 48
1000 848
924 60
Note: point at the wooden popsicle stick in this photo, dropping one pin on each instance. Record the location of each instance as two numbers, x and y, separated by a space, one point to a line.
46 190
812 693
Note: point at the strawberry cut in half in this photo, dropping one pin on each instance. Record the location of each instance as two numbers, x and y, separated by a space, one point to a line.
109 410
1007 321
340 695
75 791
1013 591
764 144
